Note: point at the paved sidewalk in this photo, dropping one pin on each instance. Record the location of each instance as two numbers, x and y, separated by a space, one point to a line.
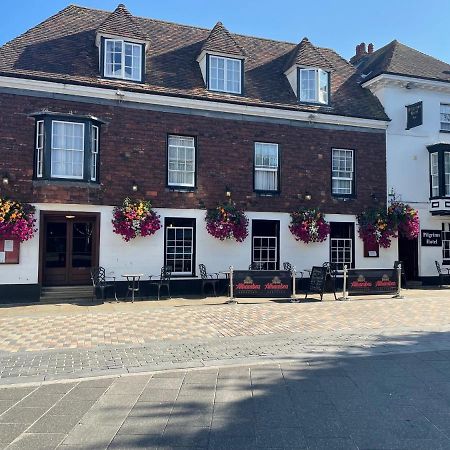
396 401
43 327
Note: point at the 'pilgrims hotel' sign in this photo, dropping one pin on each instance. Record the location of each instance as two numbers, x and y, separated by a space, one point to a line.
431 238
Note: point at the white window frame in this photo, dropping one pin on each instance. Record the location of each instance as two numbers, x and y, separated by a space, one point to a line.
40 148
226 61
447 174
267 168
321 91
81 151
94 151
445 117
271 245
446 243
434 174
123 75
340 246
176 245
351 172
194 150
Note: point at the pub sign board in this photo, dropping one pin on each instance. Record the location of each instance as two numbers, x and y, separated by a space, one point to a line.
372 281
262 283
431 238
414 115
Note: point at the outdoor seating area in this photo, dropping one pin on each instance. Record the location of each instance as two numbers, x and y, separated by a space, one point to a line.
139 286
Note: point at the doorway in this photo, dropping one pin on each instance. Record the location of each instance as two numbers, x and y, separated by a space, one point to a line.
69 248
266 243
408 254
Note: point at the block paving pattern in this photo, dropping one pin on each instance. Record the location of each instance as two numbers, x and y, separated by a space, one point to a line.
136 324
395 401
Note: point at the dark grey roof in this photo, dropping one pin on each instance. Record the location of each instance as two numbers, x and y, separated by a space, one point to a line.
62 49
397 58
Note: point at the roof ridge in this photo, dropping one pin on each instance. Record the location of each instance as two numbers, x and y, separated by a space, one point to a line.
418 51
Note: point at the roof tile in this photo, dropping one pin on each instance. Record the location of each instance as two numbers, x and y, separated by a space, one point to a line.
61 49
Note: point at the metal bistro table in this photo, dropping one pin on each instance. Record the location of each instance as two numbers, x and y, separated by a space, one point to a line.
227 274
132 278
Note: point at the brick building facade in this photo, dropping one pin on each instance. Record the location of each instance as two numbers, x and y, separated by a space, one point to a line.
46 108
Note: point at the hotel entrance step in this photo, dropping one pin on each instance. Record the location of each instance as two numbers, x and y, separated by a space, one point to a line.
57 294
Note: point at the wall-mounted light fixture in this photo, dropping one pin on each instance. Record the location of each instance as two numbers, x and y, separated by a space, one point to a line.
228 191
5 179
306 196
134 187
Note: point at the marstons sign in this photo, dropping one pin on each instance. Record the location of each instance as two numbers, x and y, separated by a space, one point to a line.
262 283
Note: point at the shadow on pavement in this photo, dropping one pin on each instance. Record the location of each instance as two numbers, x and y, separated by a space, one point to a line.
374 400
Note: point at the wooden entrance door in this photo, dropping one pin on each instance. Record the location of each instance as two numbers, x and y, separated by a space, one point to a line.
69 250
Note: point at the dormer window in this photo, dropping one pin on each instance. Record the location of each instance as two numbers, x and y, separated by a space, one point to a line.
225 74
123 60
313 85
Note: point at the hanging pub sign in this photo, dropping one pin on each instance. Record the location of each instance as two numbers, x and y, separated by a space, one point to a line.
262 283
414 115
9 250
372 281
431 238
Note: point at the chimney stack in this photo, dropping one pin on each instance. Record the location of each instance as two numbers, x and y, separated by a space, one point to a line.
361 52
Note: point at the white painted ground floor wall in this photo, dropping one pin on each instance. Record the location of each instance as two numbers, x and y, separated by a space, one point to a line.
428 255
146 255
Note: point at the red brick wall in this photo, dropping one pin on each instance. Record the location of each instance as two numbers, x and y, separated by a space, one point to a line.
133 147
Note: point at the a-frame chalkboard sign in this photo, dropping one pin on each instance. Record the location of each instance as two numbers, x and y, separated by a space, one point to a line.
317 281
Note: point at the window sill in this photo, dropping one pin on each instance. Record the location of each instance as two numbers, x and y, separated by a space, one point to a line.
343 196
267 193
66 183
180 189
444 131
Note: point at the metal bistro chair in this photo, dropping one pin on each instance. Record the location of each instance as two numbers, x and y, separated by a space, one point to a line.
288 266
442 276
403 275
164 280
101 282
256 266
208 278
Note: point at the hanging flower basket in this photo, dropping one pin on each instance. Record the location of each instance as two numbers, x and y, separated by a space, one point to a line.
135 218
226 221
404 219
309 225
374 227
17 220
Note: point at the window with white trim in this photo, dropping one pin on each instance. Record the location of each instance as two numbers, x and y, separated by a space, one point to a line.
265 251
446 243
342 172
39 148
122 60
313 85
181 161
342 240
447 173
67 150
225 74
434 174
180 245
445 117
94 152
266 167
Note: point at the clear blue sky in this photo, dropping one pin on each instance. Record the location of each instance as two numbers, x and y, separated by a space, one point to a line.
328 23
